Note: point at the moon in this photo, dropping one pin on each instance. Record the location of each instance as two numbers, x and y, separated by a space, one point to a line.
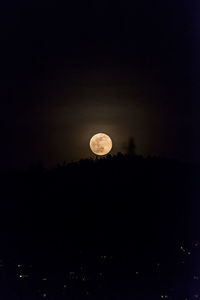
100 144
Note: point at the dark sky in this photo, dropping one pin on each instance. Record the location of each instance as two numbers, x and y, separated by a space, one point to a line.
126 68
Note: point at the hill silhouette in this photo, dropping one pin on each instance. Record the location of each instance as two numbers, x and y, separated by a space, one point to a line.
134 213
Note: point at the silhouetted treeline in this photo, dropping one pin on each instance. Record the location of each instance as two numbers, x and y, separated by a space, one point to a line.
122 194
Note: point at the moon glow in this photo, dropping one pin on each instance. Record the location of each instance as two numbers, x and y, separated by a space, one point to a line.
100 144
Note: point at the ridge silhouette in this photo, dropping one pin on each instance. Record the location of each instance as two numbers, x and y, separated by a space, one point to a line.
135 209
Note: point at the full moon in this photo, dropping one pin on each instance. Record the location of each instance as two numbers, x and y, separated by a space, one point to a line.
100 144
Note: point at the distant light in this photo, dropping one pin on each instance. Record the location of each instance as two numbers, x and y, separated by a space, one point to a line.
182 249
158 265
23 275
65 286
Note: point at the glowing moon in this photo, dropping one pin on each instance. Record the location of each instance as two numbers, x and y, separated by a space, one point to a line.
100 144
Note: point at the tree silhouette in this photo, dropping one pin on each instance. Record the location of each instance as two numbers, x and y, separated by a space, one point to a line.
130 149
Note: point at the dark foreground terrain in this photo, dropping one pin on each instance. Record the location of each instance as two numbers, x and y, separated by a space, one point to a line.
121 227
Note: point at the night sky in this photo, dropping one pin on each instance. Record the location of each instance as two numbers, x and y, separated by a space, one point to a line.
68 71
